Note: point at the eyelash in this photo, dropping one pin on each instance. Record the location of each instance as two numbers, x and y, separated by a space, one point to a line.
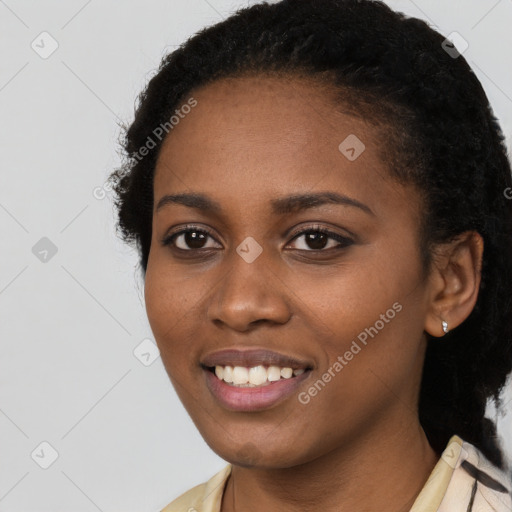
343 240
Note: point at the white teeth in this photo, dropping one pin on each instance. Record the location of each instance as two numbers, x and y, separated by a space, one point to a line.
255 376
240 375
228 373
273 373
286 373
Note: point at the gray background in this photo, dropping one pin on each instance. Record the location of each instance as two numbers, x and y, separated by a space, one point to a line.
69 325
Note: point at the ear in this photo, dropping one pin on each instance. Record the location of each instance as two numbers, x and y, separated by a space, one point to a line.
454 282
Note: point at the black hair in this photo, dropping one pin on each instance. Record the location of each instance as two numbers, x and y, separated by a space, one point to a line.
441 136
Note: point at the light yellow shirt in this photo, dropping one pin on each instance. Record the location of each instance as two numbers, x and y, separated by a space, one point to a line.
463 480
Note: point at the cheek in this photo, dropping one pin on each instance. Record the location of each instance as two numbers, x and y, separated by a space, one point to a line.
169 294
368 319
341 304
168 308
159 301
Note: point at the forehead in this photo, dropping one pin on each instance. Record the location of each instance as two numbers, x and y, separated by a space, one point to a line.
259 108
252 138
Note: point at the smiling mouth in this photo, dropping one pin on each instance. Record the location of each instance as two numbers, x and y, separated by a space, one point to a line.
255 376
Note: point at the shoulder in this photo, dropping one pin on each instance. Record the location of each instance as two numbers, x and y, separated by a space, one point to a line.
476 483
205 497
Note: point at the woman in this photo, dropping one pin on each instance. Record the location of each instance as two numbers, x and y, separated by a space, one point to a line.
317 189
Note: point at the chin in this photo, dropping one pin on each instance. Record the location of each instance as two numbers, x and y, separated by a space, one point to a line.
259 456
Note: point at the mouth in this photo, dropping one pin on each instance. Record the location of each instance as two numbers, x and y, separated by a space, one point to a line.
252 380
255 376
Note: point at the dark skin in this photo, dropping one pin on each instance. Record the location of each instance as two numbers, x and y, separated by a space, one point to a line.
358 444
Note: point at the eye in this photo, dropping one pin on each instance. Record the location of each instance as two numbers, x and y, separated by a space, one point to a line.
316 238
189 239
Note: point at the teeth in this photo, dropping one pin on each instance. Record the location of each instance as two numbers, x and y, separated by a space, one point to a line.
228 373
274 373
257 375
242 376
286 373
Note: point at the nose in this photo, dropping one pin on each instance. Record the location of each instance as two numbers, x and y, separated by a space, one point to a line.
249 294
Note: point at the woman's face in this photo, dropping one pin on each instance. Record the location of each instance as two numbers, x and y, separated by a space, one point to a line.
351 313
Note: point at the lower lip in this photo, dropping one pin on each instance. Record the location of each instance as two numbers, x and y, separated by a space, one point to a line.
252 399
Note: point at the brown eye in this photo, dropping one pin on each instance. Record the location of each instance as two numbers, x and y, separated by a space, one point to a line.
193 239
188 239
319 238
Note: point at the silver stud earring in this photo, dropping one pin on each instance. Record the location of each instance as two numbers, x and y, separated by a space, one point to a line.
445 326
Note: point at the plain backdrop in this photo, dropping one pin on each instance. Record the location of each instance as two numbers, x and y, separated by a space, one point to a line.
78 392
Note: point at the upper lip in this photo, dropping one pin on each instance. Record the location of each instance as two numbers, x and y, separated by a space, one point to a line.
253 357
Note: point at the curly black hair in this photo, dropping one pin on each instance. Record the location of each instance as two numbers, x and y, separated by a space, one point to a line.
440 134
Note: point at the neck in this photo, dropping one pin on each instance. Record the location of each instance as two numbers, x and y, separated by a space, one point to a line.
383 470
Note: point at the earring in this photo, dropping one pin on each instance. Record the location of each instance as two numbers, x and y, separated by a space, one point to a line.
445 326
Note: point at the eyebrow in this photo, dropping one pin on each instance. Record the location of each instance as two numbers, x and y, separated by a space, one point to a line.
280 206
